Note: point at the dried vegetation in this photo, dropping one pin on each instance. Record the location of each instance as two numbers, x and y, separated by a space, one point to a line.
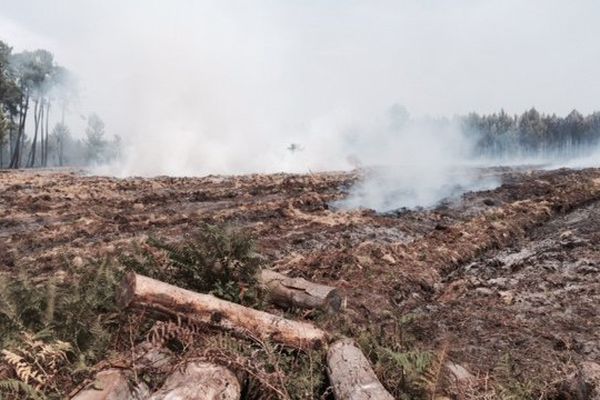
490 296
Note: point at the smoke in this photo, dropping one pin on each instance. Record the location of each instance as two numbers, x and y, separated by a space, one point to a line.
196 88
413 163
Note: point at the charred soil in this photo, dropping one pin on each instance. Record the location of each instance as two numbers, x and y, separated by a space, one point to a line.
506 281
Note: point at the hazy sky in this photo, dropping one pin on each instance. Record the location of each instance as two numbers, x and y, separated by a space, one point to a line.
225 70
435 57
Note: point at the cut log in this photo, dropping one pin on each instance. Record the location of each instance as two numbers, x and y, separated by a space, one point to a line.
111 384
141 291
457 374
200 381
351 374
298 292
149 356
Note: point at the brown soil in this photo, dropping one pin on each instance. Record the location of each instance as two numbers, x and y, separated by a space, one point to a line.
515 270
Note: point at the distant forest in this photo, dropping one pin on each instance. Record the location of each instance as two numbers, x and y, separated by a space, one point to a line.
533 134
33 86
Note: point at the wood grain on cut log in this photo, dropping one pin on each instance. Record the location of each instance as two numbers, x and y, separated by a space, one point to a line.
200 381
351 374
139 290
298 292
111 384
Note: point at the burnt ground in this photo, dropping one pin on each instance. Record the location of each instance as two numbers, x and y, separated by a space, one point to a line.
511 273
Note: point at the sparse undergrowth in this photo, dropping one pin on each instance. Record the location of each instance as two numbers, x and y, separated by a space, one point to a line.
217 260
55 329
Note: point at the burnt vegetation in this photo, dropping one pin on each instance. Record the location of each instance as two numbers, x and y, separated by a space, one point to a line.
58 333
480 295
493 295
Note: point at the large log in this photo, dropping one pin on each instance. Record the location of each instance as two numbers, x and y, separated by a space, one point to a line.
351 374
298 292
200 381
146 292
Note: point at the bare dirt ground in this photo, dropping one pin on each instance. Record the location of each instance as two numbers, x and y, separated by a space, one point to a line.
508 273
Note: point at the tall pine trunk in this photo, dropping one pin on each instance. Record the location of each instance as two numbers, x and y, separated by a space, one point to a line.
45 145
15 161
38 113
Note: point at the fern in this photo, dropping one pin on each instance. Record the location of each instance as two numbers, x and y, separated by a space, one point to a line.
88 313
21 306
37 362
181 331
431 378
399 365
20 390
411 362
218 260
508 386
74 323
23 368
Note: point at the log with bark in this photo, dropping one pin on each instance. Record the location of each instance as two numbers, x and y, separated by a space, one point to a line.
298 292
200 381
351 374
141 291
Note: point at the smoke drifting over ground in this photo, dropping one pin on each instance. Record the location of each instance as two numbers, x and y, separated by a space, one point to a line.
196 88
410 163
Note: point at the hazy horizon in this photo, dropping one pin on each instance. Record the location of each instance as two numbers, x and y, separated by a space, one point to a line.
226 87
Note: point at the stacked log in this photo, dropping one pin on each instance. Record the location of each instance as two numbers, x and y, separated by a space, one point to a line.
349 370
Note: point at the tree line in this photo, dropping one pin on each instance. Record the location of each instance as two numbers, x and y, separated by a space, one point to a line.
533 134
32 87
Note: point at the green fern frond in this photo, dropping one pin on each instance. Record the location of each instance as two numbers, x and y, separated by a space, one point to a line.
431 378
19 388
219 260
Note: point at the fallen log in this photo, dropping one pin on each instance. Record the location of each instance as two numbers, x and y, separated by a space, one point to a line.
298 292
141 291
112 384
351 374
200 381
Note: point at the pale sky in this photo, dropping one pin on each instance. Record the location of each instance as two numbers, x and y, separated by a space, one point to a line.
275 70
435 57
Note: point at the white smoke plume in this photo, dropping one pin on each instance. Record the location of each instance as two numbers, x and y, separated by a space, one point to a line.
204 87
414 163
